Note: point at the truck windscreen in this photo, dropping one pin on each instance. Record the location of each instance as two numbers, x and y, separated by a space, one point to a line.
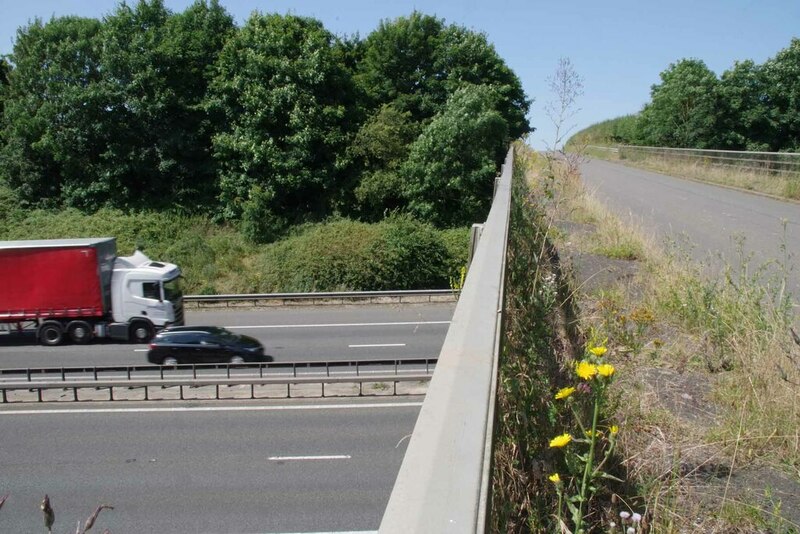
173 289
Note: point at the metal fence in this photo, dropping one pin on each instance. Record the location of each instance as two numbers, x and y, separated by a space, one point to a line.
266 380
228 370
777 163
444 483
341 297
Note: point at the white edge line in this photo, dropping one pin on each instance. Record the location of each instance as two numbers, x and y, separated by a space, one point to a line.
336 325
301 458
377 345
216 409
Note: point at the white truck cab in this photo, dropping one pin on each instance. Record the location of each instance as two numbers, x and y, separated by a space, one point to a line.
145 294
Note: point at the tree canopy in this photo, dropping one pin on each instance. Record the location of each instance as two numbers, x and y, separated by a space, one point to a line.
267 125
462 145
748 107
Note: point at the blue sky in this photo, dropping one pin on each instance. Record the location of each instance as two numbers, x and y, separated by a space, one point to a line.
618 46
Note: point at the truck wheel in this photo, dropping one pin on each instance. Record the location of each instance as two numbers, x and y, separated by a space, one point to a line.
80 332
51 333
141 331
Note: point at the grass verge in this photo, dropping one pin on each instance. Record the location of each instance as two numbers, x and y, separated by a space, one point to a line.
338 255
554 438
709 381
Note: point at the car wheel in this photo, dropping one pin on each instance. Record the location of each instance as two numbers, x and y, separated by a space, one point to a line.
169 360
236 359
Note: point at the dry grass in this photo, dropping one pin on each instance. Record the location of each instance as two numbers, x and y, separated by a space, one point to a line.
712 390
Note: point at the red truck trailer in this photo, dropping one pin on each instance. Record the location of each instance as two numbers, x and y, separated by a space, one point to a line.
79 288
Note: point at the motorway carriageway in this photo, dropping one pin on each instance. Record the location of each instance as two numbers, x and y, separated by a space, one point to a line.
305 466
307 333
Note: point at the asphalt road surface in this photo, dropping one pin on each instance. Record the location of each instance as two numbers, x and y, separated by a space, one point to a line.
307 333
708 218
316 466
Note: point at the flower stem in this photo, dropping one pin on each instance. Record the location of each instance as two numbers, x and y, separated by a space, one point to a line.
588 467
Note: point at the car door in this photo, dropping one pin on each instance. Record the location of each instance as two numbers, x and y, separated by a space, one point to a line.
210 349
186 347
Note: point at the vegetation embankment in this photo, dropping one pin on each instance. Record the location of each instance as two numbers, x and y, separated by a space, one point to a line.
264 126
750 107
399 252
205 142
704 392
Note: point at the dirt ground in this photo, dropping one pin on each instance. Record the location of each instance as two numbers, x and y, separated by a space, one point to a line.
680 394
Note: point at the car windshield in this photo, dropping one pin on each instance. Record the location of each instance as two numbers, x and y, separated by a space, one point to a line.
173 289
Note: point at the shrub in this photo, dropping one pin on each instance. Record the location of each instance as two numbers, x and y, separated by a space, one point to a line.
397 253
456 241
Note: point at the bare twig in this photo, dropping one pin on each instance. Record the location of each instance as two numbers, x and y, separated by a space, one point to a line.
567 87
49 514
93 517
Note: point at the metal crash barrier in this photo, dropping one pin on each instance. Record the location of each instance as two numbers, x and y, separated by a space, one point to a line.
261 380
444 482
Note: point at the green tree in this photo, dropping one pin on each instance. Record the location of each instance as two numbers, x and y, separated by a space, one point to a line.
408 70
782 79
111 113
382 144
5 68
399 65
466 57
745 117
156 70
193 42
448 177
683 107
282 89
53 109
416 63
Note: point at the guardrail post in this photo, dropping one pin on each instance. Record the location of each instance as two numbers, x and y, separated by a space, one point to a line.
474 238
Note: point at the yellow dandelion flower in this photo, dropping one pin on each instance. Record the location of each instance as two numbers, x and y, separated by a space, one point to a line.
554 478
589 433
605 369
586 370
598 351
560 441
614 429
563 393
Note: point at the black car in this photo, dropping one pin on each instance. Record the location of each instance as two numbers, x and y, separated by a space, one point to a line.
203 344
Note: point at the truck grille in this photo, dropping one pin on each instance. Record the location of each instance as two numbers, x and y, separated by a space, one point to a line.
179 313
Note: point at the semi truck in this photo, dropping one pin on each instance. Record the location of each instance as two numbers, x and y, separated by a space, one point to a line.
79 289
